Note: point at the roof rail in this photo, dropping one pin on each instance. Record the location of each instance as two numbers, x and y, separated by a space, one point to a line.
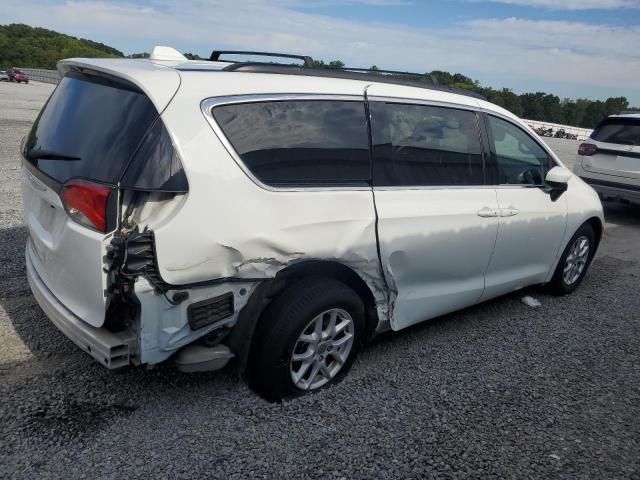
380 76
215 56
407 75
629 112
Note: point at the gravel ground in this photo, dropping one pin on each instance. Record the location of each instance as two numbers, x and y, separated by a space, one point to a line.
500 390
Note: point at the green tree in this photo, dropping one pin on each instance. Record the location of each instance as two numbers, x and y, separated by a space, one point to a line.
616 105
444 78
25 46
139 55
552 109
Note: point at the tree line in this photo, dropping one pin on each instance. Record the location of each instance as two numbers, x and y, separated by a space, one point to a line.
29 47
540 106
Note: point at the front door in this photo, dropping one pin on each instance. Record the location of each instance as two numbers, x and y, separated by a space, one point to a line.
532 223
437 221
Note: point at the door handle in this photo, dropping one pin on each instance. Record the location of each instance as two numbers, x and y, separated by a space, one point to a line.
487 212
509 212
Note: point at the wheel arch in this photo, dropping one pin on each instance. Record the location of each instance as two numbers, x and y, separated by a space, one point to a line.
241 338
598 228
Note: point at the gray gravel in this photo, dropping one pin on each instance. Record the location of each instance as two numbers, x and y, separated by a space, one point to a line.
501 390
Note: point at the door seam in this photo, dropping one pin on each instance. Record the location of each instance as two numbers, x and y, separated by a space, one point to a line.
495 244
375 209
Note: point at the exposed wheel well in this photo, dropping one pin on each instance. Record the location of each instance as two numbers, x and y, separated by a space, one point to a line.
241 337
337 271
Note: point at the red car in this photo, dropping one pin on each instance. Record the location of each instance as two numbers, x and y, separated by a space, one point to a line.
16 75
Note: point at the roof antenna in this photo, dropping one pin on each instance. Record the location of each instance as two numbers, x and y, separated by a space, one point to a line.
166 54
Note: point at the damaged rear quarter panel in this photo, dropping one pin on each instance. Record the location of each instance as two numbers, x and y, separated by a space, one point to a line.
228 226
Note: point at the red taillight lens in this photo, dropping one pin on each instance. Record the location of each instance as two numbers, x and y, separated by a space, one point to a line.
587 149
86 203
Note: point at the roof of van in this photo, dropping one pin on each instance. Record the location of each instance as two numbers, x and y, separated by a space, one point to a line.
160 80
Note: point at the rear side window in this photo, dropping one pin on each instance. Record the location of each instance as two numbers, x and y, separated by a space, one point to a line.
416 145
89 129
300 142
623 131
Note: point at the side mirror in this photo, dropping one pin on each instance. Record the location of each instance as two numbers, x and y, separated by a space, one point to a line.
557 179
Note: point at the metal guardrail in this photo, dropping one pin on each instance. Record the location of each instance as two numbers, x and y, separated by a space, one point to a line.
42 75
581 133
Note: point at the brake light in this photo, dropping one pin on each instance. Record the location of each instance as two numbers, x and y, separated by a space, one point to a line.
587 149
86 203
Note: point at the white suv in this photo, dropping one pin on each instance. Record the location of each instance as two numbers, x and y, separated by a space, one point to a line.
610 158
276 217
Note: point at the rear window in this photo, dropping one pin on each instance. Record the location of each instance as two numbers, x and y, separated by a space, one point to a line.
300 142
624 131
89 128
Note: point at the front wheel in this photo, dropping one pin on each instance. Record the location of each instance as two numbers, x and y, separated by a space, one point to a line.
574 262
307 340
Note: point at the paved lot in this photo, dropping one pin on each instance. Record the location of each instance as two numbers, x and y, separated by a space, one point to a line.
501 390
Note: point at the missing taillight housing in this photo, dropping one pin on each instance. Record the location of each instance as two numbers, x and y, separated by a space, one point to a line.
87 203
587 149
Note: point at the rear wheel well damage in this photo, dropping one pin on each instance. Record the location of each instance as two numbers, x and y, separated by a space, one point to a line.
241 338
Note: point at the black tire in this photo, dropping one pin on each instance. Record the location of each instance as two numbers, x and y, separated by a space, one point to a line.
558 284
285 320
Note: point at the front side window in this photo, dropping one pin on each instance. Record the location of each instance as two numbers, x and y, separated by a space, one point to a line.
519 159
420 145
299 142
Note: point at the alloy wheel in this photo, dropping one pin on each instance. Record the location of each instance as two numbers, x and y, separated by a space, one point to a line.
576 260
322 349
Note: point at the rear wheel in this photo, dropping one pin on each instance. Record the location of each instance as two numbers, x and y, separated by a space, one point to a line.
307 340
574 262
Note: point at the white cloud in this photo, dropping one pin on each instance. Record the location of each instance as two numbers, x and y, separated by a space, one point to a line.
535 54
574 4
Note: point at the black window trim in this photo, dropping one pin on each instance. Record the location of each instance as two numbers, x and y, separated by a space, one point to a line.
494 173
482 137
208 104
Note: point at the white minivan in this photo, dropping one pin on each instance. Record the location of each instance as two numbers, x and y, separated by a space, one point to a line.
275 217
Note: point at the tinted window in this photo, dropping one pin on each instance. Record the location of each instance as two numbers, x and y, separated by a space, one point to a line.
89 129
519 159
299 142
156 165
424 145
624 131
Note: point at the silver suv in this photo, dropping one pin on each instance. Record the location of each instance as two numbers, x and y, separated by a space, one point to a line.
276 217
609 160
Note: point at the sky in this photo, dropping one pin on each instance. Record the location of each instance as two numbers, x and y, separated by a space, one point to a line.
572 48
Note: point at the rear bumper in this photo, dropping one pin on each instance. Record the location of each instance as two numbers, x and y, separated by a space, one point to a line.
113 350
614 189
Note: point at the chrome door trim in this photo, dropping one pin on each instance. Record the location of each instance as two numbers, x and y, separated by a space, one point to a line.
419 101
